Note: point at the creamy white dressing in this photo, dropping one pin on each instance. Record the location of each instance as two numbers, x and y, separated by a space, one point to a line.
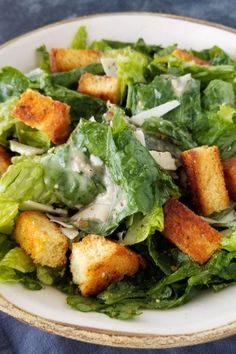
78 163
100 209
164 159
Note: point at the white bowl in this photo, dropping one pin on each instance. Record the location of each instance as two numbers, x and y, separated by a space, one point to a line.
207 317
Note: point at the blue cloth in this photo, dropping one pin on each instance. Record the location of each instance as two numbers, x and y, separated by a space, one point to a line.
17 17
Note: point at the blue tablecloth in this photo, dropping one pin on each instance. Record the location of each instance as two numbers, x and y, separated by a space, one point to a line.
17 17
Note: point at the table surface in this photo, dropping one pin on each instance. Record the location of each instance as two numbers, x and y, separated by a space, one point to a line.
18 17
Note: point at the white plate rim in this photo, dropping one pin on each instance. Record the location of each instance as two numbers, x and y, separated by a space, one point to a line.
109 337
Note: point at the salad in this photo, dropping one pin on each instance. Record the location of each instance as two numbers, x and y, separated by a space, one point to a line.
118 174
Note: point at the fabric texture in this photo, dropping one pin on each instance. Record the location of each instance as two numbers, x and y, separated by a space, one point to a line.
17 17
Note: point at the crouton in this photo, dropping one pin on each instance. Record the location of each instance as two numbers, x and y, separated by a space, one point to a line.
182 54
229 167
64 59
5 160
206 179
41 239
189 232
104 87
97 262
42 112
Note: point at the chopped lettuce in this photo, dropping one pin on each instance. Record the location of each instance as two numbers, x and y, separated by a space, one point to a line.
130 66
18 260
144 226
228 242
69 173
221 131
218 92
24 180
79 40
8 213
70 78
43 58
215 56
12 83
7 122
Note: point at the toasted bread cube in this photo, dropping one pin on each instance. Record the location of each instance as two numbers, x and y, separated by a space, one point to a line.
45 114
5 160
104 87
189 232
229 167
65 59
182 54
41 239
97 262
206 179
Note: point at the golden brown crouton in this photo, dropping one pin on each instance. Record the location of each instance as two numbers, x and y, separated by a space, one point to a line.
104 87
5 160
229 167
41 239
189 232
42 112
182 54
64 59
97 262
206 179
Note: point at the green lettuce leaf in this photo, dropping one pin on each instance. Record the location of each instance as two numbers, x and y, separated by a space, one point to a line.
218 92
144 226
7 122
8 214
221 131
43 58
6 243
70 78
30 136
130 66
79 40
69 174
12 83
228 242
18 260
24 180
215 55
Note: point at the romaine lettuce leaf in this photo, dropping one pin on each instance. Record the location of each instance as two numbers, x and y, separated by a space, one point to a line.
228 242
133 180
215 55
221 131
12 83
218 92
7 122
30 136
6 243
144 226
8 213
79 40
18 260
130 66
68 172
70 78
43 58
205 73
162 89
24 180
